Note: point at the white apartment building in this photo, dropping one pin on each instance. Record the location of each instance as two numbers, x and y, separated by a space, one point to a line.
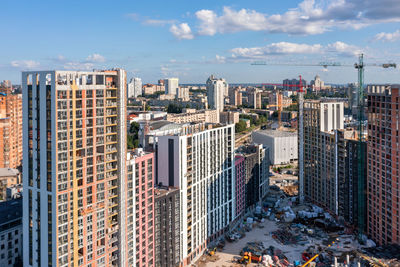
171 86
135 88
74 158
216 91
202 165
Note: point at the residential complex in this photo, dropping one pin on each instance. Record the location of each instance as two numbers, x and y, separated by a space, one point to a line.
201 165
240 177
192 115
166 226
11 233
135 88
74 167
10 129
383 164
216 91
171 86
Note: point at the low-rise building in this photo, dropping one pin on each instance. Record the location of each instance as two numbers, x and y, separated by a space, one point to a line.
11 233
282 145
166 226
208 116
8 178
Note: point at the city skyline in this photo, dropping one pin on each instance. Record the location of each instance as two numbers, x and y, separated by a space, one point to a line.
190 41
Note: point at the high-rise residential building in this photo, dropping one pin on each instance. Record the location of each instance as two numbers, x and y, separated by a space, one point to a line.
317 84
321 119
240 186
201 164
166 226
383 163
137 211
74 158
215 92
254 98
235 96
135 88
350 205
171 86
256 162
290 84
10 129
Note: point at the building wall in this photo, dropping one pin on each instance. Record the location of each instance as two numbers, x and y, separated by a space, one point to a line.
240 185
282 149
210 116
383 164
10 131
201 165
215 93
74 159
166 225
171 86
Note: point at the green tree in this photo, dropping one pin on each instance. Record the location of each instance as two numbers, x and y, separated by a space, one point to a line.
174 108
240 126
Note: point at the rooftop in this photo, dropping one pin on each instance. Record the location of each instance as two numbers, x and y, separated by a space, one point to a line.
162 190
6 172
11 210
277 133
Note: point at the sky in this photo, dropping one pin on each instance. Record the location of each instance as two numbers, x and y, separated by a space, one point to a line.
193 39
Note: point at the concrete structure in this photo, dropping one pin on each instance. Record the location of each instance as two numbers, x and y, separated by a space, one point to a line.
14 191
209 116
290 84
183 93
349 204
135 88
216 90
383 164
235 97
282 145
171 86
74 158
257 164
11 233
150 89
8 178
321 175
166 226
254 98
229 117
240 176
201 164
137 208
317 84
10 129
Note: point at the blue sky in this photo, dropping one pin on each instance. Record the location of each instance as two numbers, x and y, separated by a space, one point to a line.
193 39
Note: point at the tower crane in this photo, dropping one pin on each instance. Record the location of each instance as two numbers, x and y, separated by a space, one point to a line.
360 66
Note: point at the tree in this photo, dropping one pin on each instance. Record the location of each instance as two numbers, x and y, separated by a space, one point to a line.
240 126
133 136
174 108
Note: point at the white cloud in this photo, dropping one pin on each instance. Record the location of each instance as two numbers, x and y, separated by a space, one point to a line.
25 64
95 58
182 31
308 18
286 48
387 36
220 59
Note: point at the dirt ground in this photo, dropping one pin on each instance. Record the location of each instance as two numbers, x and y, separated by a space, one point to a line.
232 250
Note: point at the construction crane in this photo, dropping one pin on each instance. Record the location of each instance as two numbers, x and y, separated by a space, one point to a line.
360 66
316 255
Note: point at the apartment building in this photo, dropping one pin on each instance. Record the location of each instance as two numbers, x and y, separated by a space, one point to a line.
11 233
229 117
74 158
254 97
171 86
321 119
235 96
240 186
189 115
137 211
351 206
216 91
166 226
135 88
256 165
201 165
383 160
10 129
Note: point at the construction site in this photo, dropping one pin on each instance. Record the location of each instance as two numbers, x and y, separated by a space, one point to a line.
285 233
